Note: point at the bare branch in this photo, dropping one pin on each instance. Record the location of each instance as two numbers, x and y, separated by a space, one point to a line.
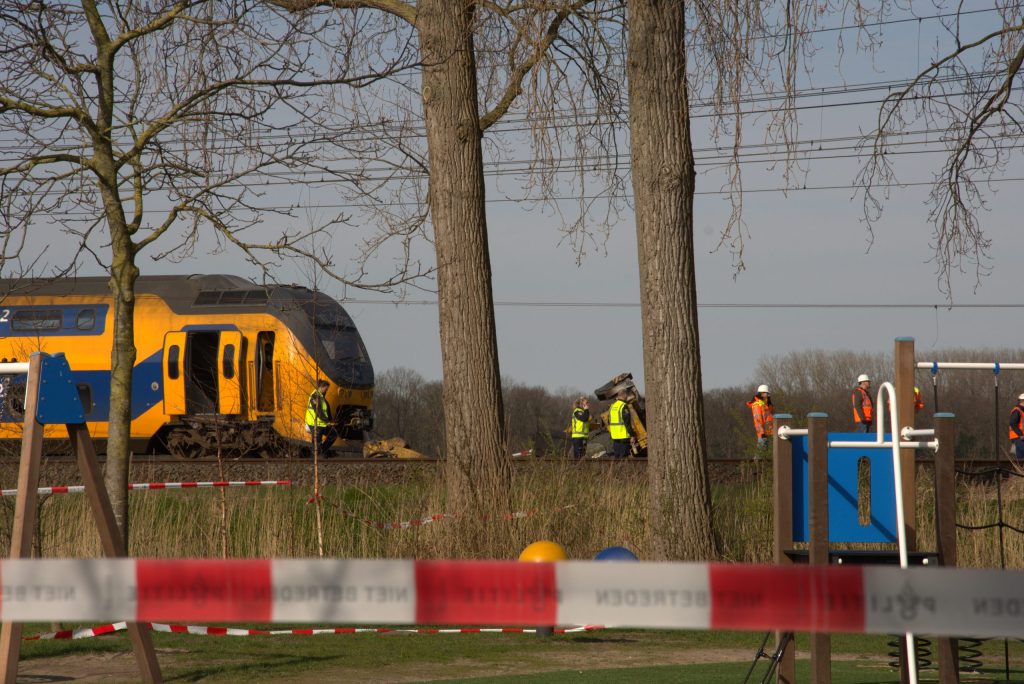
982 120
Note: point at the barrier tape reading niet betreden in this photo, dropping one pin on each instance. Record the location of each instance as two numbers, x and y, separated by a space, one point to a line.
934 601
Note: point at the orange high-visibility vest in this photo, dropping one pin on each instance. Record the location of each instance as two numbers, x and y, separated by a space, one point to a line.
866 406
764 417
1017 429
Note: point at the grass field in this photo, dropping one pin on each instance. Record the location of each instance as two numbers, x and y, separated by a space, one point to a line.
586 509
601 656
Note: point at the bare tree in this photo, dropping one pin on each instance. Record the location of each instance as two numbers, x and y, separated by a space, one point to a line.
720 52
972 96
129 123
476 60
663 182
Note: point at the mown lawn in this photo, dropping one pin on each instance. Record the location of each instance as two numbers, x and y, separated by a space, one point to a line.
600 656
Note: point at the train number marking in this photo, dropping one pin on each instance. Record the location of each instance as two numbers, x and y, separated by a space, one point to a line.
5 314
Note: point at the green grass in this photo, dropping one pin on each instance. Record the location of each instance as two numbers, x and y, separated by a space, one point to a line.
602 656
843 672
607 507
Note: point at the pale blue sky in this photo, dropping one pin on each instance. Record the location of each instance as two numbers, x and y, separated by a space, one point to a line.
805 247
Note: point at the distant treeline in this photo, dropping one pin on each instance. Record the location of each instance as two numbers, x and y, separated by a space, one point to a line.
409 406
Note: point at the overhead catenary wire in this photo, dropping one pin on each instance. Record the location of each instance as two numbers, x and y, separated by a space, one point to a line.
808 91
327 176
709 305
769 152
400 131
583 198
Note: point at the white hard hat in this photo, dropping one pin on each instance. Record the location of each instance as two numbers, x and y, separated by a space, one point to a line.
863 378
763 388
1020 398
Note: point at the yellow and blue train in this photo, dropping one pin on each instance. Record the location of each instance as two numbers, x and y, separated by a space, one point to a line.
221 363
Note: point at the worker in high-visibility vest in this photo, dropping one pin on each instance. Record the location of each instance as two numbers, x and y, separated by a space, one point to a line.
580 427
620 426
863 410
1017 427
763 411
318 420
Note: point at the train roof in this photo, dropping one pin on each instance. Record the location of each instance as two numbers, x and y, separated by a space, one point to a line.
183 293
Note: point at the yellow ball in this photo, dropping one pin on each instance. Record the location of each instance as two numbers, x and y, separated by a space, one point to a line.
543 552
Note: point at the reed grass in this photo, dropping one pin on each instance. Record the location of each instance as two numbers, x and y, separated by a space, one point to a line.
585 507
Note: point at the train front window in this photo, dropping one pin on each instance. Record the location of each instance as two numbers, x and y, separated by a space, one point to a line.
342 345
337 333
340 348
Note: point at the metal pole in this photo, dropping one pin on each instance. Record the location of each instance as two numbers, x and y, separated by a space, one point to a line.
782 490
969 366
902 532
995 414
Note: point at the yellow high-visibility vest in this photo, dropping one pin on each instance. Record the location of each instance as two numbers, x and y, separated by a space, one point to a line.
580 428
616 424
316 400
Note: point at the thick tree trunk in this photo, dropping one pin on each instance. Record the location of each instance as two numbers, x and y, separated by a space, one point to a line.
122 360
663 187
123 274
477 469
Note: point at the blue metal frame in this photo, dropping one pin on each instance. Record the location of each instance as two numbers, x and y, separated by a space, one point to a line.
843 519
58 401
147 389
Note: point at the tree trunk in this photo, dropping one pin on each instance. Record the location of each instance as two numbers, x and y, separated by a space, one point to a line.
123 274
477 470
663 187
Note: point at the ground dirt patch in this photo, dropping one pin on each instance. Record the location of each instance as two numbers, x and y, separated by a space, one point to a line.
600 651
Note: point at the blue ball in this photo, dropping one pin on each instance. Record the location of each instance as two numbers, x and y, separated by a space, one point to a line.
615 553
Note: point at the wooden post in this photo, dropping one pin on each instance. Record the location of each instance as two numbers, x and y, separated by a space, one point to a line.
110 539
99 503
24 509
904 356
817 505
782 493
945 530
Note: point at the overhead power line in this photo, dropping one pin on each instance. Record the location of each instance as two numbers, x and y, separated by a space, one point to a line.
578 198
558 119
736 305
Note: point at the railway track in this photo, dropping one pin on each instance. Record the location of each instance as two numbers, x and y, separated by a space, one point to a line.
174 461
362 472
353 457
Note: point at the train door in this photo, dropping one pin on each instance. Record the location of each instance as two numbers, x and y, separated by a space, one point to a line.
201 373
229 380
264 390
174 373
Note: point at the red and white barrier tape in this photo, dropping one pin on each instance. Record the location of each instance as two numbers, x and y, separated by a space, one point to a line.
83 633
875 599
204 630
142 486
420 522
403 525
